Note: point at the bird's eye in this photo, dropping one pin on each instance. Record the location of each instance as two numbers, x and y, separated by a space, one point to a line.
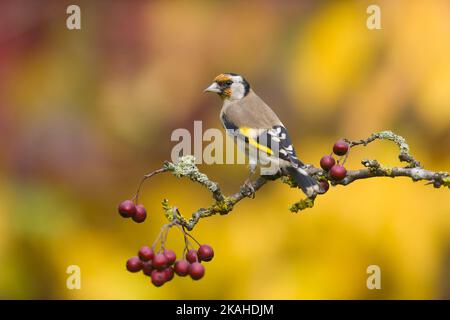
228 82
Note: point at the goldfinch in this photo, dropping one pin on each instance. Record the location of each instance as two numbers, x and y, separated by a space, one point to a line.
245 116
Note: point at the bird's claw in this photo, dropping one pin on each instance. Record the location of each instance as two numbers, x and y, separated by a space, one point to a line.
248 189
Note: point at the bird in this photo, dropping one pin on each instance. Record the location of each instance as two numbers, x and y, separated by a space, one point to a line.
246 116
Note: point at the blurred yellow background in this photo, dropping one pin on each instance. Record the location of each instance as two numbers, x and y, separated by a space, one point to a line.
85 113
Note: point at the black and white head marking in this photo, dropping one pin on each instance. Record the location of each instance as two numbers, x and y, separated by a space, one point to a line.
239 87
230 86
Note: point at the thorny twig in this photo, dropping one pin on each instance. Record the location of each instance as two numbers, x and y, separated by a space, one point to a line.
185 167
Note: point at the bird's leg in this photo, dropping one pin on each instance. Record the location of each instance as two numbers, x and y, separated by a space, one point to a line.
248 185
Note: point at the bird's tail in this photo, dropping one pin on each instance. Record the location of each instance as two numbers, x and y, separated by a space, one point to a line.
307 183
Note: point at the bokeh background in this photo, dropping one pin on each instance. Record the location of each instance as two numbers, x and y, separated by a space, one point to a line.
85 113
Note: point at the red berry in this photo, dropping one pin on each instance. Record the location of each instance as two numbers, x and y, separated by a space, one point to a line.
340 147
327 162
205 253
169 273
338 172
158 278
127 208
146 253
159 261
134 264
191 256
171 256
324 185
181 268
140 214
147 268
196 270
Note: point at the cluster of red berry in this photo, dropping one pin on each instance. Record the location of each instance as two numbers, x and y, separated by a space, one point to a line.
128 209
328 163
162 266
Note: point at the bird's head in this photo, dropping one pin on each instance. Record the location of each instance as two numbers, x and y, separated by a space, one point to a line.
229 86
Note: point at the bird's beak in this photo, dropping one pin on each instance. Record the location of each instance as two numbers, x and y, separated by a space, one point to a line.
214 87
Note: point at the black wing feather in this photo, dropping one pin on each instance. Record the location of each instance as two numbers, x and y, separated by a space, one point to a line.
278 138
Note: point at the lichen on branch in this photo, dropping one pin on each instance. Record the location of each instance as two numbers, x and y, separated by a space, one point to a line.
404 154
185 167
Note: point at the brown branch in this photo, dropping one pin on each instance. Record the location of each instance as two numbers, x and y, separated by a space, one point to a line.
223 204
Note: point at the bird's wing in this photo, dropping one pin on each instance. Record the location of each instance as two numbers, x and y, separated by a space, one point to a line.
279 138
249 135
255 122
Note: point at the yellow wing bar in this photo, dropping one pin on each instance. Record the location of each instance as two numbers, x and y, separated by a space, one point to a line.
247 133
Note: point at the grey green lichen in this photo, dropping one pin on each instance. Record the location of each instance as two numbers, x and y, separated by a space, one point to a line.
185 167
446 182
302 205
171 213
224 206
219 207
387 170
372 165
289 181
399 140
402 145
